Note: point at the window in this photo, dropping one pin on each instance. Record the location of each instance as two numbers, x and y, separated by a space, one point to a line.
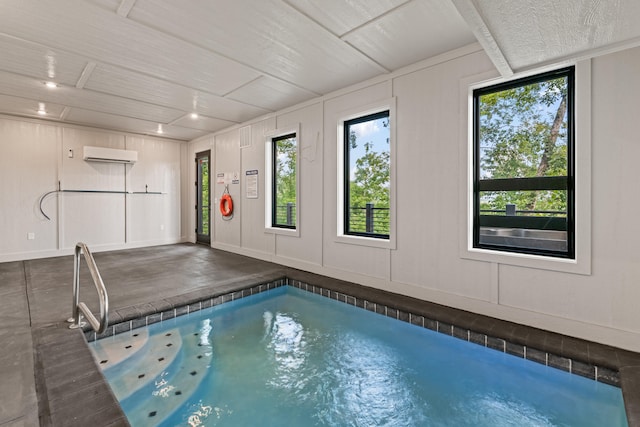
366 179
284 181
523 165
281 201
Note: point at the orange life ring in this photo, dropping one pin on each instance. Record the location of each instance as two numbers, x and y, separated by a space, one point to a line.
226 205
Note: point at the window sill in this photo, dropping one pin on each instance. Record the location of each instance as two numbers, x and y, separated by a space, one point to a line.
292 232
366 241
564 265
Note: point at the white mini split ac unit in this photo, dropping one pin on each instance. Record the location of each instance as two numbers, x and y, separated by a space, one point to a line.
109 155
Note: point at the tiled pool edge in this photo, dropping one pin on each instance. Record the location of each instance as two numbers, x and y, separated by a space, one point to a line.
573 366
154 316
593 372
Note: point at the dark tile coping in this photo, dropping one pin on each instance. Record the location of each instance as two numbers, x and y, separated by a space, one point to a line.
148 314
596 361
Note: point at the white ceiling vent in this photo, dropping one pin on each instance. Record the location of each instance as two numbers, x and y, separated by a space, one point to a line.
109 155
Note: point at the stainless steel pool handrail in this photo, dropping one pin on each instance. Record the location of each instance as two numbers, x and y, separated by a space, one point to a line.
80 308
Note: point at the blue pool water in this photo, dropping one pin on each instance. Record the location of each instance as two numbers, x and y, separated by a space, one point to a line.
291 358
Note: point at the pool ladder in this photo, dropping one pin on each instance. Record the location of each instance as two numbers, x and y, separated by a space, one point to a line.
80 308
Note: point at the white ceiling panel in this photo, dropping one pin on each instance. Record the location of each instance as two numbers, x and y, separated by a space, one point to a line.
15 85
268 34
100 35
184 134
202 123
270 93
131 64
35 60
535 31
115 122
126 83
340 17
28 107
391 40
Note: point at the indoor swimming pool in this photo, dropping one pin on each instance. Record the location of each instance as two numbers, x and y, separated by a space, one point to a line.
287 357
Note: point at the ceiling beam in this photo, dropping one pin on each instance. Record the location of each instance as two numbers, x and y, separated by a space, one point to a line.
65 113
472 16
86 74
125 7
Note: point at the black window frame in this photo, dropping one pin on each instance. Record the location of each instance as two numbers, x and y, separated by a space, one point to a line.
274 181
523 184
347 172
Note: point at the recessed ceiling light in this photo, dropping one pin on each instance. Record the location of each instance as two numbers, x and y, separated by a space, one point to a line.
41 109
42 112
160 131
51 85
194 116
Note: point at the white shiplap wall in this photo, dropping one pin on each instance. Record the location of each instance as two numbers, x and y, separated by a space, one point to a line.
427 264
34 159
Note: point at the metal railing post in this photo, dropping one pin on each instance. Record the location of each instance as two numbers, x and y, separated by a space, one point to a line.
369 218
75 313
289 213
80 308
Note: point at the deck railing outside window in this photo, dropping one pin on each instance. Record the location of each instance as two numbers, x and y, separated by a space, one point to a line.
367 219
370 219
510 210
286 214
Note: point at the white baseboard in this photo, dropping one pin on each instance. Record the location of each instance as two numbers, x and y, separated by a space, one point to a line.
28 255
